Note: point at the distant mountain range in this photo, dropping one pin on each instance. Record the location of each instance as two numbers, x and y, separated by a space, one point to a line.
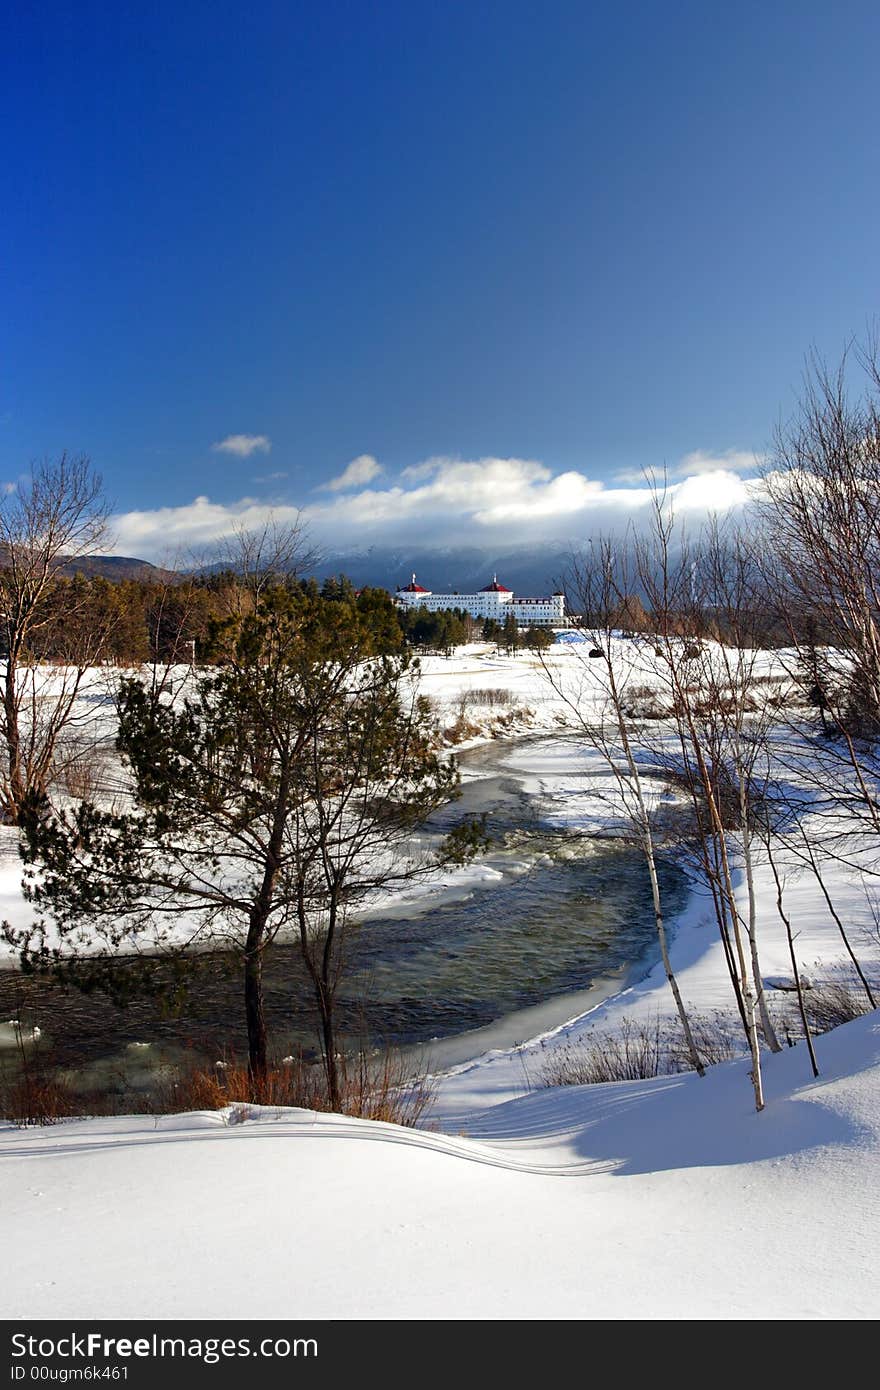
530 571
116 567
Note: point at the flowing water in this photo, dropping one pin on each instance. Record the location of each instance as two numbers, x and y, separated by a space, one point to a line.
554 918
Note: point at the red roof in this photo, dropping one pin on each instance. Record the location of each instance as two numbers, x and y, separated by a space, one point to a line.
496 588
412 588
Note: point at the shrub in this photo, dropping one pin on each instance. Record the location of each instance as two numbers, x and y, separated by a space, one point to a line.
829 1004
490 697
83 772
460 731
645 702
373 1086
637 1051
36 1099
633 1053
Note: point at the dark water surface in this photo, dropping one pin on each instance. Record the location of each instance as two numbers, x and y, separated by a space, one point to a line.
559 913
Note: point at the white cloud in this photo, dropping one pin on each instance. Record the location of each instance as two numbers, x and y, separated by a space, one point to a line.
443 501
270 478
728 461
359 472
173 535
697 462
509 501
243 445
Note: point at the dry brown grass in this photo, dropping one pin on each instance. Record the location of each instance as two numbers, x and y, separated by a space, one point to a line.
460 731
375 1086
38 1100
633 1053
502 723
82 772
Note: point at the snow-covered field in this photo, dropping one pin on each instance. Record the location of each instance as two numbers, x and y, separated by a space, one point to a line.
666 1198
658 1199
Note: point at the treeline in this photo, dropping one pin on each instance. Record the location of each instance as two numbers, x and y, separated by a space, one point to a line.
770 623
451 627
131 621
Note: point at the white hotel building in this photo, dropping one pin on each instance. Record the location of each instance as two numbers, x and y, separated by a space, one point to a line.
495 601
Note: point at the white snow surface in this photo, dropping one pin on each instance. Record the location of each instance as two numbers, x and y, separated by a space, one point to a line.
660 1199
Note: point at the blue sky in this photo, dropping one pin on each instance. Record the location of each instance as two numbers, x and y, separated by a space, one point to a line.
572 238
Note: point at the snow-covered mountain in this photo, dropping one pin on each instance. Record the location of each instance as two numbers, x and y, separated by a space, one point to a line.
528 570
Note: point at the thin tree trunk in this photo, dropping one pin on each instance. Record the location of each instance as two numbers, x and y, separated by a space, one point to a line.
331 1061
14 783
258 1053
794 965
724 931
747 995
766 1022
817 873
725 880
326 1003
713 879
258 1050
324 1000
648 850
322 983
693 1053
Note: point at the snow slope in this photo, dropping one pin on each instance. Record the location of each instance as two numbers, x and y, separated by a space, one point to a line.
659 1199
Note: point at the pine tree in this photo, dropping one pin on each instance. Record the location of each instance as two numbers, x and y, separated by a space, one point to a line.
273 799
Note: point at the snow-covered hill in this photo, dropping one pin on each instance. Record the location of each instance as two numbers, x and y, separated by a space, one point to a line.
660 1199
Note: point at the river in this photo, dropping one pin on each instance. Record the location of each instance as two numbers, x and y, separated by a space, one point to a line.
557 918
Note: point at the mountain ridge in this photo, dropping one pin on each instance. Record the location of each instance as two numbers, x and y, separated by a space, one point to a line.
530 571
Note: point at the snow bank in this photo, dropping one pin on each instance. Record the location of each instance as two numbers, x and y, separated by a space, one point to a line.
658 1199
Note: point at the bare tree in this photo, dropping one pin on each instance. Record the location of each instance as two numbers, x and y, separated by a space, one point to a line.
821 514
821 509
275 552
811 854
52 518
737 707
600 707
671 578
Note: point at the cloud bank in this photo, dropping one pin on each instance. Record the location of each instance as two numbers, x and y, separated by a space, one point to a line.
444 501
243 445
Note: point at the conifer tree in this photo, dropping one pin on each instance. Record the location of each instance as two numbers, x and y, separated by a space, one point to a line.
273 799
